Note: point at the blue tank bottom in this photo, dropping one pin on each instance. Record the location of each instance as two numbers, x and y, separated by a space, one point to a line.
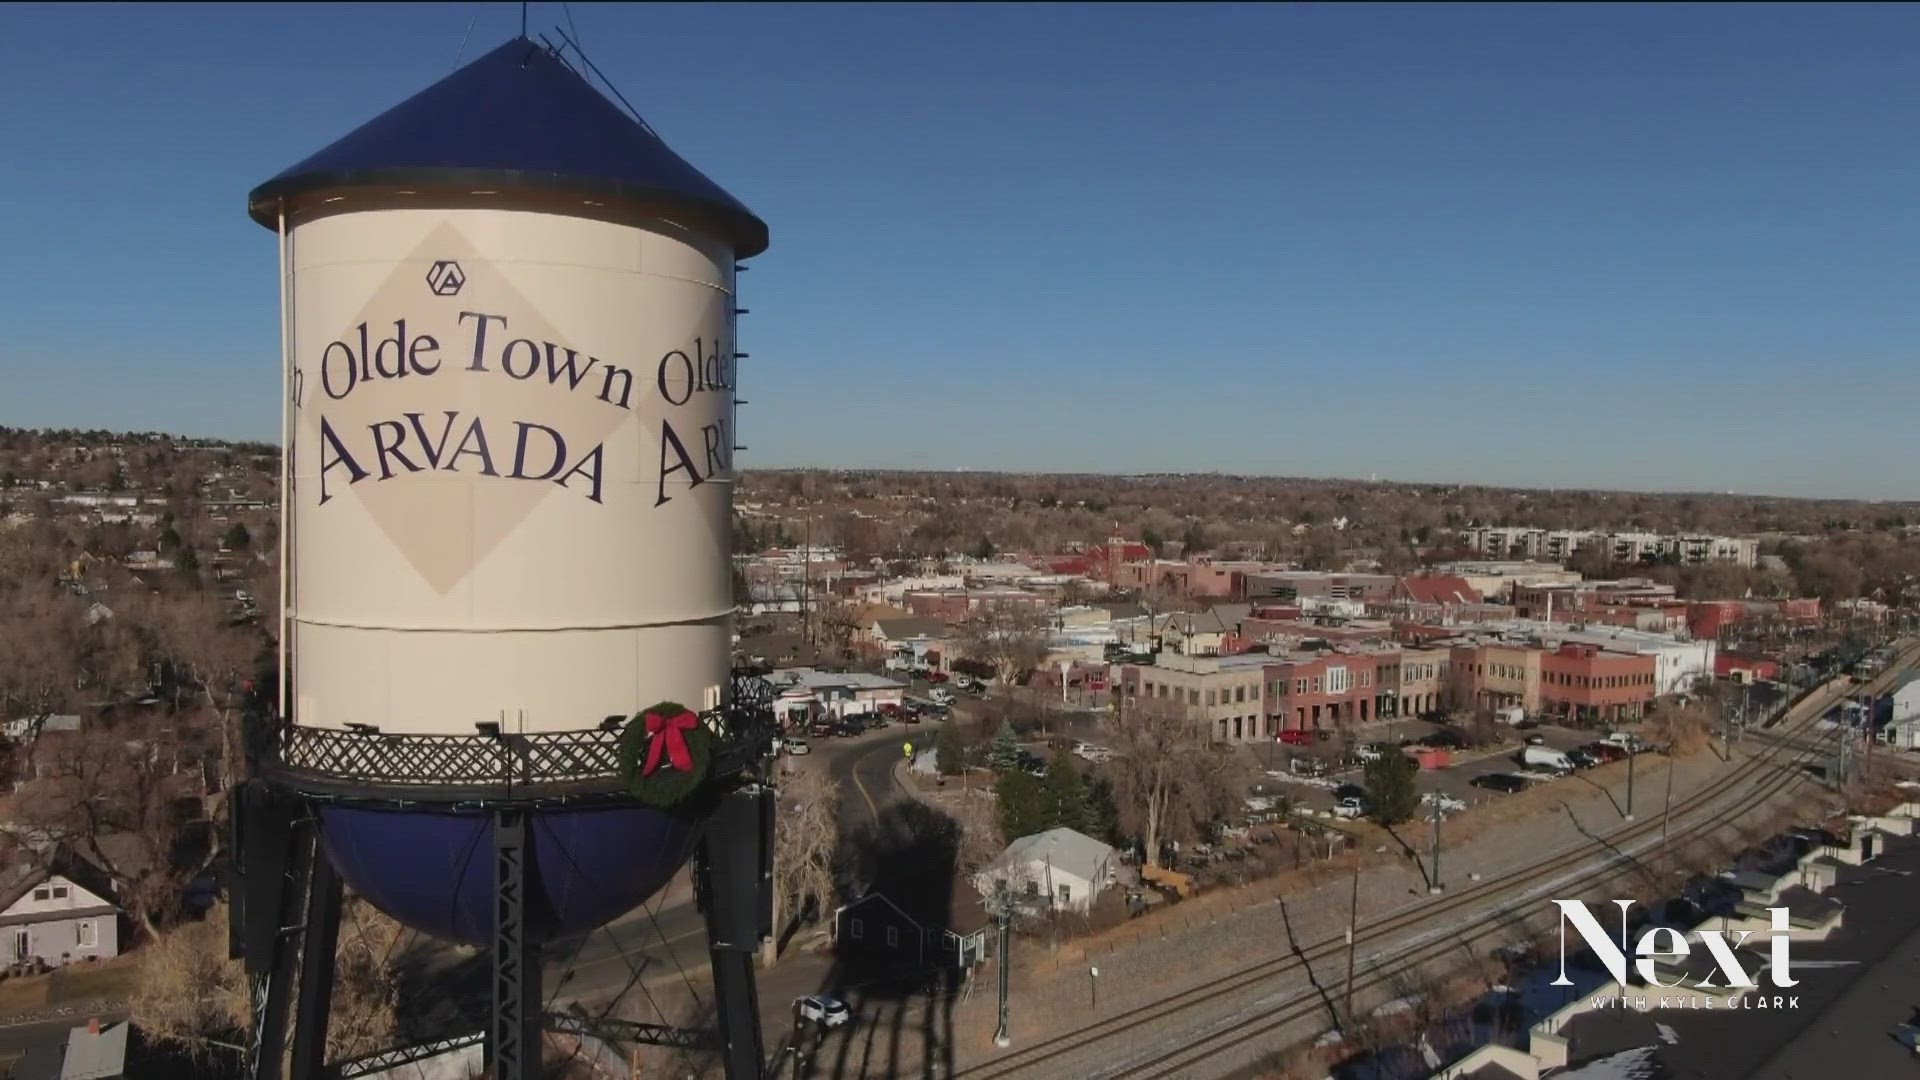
433 870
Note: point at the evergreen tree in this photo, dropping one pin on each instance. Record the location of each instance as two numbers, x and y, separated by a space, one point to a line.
1391 795
1065 795
187 561
1023 805
1103 812
1004 755
237 538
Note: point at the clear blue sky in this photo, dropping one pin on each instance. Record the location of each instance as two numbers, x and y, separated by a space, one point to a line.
1595 246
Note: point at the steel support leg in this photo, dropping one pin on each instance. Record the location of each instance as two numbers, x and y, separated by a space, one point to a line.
276 860
733 865
514 1042
322 937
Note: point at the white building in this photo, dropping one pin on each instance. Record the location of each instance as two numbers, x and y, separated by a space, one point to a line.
1678 666
1056 870
836 693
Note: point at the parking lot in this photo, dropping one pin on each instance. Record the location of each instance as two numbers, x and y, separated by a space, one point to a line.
1456 780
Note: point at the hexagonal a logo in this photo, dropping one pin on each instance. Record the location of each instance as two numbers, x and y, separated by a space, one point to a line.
445 278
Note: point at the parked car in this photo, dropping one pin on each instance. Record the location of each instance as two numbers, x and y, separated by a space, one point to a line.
1606 752
1349 791
797 747
1629 743
1368 752
940 695
1296 736
826 1011
822 729
1503 782
1349 808
936 677
1309 766
1536 740
1583 759
1545 759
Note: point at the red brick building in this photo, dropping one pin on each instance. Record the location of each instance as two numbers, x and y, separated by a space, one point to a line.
1324 690
1585 684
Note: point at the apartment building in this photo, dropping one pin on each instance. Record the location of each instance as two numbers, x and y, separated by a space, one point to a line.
1560 544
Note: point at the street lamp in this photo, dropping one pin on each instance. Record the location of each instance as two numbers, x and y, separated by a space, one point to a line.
1093 985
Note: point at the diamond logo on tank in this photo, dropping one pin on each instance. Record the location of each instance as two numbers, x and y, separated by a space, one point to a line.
450 418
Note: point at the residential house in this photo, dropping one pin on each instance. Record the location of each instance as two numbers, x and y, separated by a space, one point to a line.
1203 633
877 934
58 915
908 641
94 1051
1056 870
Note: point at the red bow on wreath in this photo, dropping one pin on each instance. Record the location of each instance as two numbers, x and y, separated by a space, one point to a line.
667 734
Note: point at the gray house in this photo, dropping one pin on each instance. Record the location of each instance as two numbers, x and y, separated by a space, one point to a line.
58 915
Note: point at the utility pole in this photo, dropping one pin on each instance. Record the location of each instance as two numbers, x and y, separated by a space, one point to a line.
1666 814
1434 886
806 587
1353 937
1003 910
1632 752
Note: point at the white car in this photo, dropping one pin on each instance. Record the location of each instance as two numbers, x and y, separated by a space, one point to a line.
940 695
1349 807
1448 804
797 747
826 1011
1369 752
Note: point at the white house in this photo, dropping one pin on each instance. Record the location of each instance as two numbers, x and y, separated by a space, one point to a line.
1903 701
1056 870
50 918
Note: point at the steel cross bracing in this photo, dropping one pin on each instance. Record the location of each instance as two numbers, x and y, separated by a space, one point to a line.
633 1031
401 1055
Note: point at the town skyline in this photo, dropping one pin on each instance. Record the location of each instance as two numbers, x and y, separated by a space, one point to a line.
1608 248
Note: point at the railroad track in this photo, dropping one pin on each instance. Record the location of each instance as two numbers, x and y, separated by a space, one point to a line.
1464 902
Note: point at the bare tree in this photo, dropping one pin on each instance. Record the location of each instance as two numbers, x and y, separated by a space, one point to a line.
1010 638
122 795
192 996
805 840
1682 729
1168 778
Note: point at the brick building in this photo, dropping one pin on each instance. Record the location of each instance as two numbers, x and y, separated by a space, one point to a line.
1221 693
1585 684
1324 690
1495 677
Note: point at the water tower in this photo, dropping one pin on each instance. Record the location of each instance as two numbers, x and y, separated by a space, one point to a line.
506 705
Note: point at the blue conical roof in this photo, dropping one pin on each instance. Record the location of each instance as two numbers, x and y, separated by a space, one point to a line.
516 119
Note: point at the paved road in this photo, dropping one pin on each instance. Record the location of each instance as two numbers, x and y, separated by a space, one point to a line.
673 938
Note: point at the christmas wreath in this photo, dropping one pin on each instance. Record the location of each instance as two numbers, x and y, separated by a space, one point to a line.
665 753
